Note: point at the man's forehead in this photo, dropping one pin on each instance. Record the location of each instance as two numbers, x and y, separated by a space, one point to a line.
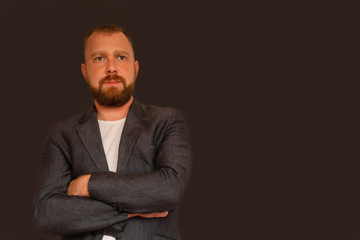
99 40
107 35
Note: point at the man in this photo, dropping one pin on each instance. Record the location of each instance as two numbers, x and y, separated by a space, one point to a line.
119 169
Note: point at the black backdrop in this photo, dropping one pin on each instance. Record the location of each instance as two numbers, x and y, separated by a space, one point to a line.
269 89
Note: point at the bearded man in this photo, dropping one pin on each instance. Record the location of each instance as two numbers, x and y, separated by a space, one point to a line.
119 169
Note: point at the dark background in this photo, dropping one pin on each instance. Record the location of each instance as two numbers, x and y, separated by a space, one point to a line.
269 89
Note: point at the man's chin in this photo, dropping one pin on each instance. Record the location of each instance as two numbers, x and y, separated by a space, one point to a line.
112 91
113 100
113 96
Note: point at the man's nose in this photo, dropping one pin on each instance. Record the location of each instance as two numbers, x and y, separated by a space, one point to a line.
111 68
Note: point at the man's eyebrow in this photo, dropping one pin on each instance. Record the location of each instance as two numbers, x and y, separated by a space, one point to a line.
103 53
97 53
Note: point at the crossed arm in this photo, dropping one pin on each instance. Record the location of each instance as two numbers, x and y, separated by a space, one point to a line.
79 187
91 203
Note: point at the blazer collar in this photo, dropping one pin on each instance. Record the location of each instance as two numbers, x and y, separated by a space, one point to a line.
89 132
134 125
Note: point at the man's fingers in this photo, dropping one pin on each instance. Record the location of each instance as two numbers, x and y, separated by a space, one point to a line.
70 189
149 215
79 186
156 215
163 214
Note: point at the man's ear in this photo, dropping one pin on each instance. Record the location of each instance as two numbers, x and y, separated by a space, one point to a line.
83 71
136 68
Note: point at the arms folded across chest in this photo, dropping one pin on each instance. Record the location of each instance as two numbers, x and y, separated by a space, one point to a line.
112 195
158 190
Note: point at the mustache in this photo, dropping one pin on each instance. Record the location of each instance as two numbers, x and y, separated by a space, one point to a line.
112 77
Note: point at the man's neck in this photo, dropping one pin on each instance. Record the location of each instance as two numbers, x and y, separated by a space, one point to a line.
112 113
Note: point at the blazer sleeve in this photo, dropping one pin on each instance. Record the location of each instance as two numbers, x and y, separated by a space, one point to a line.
57 213
156 191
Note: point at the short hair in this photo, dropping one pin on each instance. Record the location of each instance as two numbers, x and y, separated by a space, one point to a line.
107 28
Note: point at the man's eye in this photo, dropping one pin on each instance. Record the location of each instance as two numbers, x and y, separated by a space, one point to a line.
121 57
99 58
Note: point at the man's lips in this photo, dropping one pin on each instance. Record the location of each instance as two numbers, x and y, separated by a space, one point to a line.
112 82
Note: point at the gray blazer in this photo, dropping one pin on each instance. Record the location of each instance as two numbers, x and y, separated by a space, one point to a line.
153 166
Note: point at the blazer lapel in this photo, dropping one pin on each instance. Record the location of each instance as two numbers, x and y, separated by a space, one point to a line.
134 125
89 132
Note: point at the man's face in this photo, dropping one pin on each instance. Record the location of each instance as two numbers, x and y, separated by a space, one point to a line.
110 68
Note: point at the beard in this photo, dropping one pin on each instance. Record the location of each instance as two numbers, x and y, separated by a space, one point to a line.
112 96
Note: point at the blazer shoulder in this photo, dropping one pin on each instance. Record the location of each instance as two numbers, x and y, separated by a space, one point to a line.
154 111
65 127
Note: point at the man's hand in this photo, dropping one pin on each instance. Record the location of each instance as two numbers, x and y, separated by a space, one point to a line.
148 215
79 186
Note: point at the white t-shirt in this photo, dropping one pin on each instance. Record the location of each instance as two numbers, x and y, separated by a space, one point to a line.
110 135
